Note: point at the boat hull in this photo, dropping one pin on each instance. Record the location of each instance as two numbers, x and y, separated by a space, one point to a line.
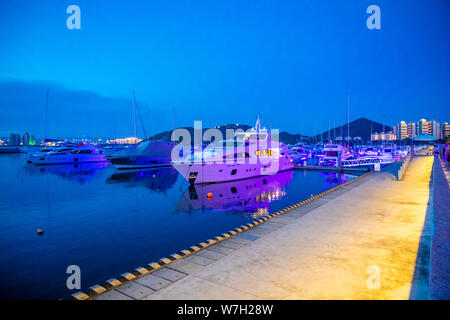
198 173
66 158
132 163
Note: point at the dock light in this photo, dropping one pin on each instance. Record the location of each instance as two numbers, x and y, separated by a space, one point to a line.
209 195
40 231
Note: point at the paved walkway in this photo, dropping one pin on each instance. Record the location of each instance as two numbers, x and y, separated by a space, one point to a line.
359 242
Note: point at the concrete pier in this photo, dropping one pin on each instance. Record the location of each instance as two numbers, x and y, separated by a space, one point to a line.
366 240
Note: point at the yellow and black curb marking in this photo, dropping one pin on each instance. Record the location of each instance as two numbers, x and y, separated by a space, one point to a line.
153 266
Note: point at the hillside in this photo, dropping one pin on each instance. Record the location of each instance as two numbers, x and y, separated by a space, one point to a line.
361 127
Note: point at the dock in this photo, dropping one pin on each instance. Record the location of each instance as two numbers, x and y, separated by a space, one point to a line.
370 239
333 169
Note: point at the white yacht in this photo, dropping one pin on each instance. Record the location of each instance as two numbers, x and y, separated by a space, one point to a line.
250 154
81 153
331 154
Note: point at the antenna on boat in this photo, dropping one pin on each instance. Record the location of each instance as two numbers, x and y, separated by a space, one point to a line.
258 124
46 115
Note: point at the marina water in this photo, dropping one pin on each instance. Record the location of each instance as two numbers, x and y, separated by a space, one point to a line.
109 222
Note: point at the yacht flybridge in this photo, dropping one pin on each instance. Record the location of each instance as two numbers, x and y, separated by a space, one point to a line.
249 154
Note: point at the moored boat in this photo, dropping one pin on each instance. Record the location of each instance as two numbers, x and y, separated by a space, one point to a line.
81 153
250 154
148 154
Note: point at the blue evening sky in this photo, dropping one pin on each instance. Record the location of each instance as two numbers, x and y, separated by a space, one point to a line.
222 61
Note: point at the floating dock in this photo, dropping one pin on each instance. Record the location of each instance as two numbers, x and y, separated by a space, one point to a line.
333 169
367 239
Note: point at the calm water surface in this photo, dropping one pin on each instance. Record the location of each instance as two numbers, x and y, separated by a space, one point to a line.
108 222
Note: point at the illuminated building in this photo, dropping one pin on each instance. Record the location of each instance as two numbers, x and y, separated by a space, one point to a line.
401 130
421 127
131 140
389 136
411 130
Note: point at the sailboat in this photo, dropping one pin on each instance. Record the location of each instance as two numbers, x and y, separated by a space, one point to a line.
147 154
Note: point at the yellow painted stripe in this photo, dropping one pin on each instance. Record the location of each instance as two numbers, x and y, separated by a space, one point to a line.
142 270
195 248
176 256
98 289
166 260
80 296
114 282
154 265
186 252
129 276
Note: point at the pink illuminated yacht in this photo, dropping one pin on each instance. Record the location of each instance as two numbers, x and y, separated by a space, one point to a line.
249 154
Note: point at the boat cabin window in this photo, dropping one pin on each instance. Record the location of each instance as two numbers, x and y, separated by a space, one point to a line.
331 153
81 152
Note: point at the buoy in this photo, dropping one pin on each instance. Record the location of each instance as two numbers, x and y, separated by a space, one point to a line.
40 231
209 195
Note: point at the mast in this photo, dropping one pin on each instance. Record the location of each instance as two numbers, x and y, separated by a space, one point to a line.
140 117
46 115
348 118
334 130
134 115
173 119
114 122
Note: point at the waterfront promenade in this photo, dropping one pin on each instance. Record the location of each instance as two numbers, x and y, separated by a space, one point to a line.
359 242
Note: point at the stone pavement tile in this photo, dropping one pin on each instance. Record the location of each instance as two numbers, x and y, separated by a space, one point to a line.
238 240
112 295
259 231
169 274
221 249
153 282
134 290
233 243
247 236
285 219
185 266
210 254
192 288
274 224
199 260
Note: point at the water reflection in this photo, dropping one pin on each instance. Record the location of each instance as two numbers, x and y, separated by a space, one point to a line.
332 179
82 173
159 180
252 196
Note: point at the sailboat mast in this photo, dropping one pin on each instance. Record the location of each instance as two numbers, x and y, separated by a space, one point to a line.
46 115
173 119
114 122
134 115
348 119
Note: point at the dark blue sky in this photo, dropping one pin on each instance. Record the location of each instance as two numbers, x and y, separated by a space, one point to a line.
221 60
